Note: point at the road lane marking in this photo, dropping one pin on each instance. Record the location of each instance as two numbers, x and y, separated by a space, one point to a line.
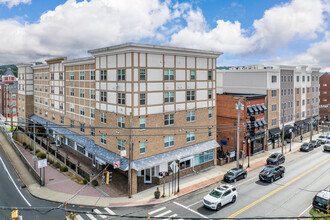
195 203
79 217
91 216
164 213
110 211
203 216
246 181
305 211
4 166
157 210
99 213
276 190
171 217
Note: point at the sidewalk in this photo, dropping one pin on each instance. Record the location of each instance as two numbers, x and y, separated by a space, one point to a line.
60 188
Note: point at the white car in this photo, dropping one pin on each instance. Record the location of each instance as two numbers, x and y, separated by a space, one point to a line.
326 146
322 138
220 196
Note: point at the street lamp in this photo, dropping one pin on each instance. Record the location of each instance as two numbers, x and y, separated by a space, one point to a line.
248 148
178 175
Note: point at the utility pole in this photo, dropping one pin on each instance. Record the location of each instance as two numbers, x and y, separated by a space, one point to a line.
238 107
34 146
311 123
130 158
282 128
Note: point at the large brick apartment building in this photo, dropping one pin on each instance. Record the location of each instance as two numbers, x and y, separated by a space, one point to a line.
325 96
164 98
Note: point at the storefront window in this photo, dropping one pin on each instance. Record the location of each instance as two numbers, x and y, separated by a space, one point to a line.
203 157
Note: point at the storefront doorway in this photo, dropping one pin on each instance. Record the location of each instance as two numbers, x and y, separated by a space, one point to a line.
147 176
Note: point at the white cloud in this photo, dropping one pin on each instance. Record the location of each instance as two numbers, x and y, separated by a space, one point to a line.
73 28
11 3
299 19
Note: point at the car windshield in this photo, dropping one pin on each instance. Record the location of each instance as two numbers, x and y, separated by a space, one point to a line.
269 169
305 145
321 200
313 142
321 136
273 156
215 194
231 173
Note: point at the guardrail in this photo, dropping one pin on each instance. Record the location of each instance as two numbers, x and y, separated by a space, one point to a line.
7 134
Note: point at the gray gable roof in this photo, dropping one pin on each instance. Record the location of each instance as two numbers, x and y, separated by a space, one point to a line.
9 72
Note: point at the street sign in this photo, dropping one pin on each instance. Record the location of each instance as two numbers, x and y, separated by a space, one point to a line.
123 153
42 163
35 158
116 164
232 154
163 167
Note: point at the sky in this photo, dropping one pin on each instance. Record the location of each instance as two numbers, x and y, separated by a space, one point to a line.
248 32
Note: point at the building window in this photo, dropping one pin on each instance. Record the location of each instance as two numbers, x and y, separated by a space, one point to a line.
274 108
297 91
103 117
169 119
210 94
40 111
297 78
52 76
274 121
303 91
307 101
312 78
103 139
297 115
274 93
210 132
72 123
209 75
210 113
303 78
168 74
142 123
303 102
71 91
297 103
46 89
61 76
121 122
92 94
142 99
82 75
46 114
53 116
312 89
142 75
169 141
93 132
121 75
92 113
82 93
284 91
82 128
192 74
274 79
325 84
190 136
46 76
82 111
169 97
103 75
103 96
92 75
142 147
71 75
71 107
61 90
191 116
121 98
190 95
120 145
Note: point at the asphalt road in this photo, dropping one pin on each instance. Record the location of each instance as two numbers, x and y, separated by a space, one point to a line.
306 174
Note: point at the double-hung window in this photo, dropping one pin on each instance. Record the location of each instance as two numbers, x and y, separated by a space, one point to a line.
210 94
103 139
142 123
103 75
142 147
82 111
82 93
169 119
192 74
210 113
169 97
71 75
169 141
93 132
142 98
191 116
121 145
142 75
92 75
103 117
121 75
209 75
71 107
92 113
190 95
82 75
92 94
82 128
210 132
168 74
190 136
103 96
71 91
121 98
121 122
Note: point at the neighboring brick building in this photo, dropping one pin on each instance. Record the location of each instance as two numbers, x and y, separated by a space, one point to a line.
325 96
86 103
252 122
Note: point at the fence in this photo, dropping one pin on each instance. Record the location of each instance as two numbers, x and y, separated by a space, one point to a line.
10 140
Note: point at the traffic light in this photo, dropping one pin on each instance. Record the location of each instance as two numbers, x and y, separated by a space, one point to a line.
166 173
108 177
103 179
160 174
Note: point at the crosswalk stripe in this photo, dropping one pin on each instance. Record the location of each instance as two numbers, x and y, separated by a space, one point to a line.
164 213
157 210
172 216
79 217
100 213
110 211
91 216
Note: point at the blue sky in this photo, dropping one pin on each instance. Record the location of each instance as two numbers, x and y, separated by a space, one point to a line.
249 32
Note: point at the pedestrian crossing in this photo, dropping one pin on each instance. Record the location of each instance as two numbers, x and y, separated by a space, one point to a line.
96 215
163 212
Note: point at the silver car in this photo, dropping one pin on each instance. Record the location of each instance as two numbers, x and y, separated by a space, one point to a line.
326 147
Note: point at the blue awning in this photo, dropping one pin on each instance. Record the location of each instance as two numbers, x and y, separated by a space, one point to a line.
259 108
264 107
255 108
250 110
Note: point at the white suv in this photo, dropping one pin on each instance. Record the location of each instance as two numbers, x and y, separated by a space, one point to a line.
322 138
326 147
220 196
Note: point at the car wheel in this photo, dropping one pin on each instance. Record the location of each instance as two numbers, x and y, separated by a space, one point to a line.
235 180
282 175
219 206
272 179
244 177
234 199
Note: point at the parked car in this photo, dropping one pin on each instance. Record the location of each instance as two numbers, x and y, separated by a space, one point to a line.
235 174
220 196
271 173
315 143
322 138
275 159
306 147
321 201
326 147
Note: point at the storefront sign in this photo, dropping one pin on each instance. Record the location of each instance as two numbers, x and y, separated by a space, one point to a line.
232 154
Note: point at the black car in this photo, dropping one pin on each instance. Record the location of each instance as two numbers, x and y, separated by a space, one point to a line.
322 201
235 174
315 143
276 159
306 147
271 173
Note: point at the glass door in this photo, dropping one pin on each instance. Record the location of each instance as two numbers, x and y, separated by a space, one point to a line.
147 176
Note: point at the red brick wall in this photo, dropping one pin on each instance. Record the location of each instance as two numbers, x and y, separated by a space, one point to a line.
324 98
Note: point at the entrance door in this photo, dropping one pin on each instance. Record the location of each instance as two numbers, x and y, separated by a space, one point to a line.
147 176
